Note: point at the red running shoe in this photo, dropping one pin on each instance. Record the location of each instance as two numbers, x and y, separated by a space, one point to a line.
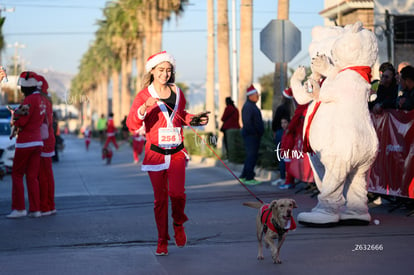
162 248
180 237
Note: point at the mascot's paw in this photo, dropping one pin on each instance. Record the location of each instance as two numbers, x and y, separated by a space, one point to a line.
299 74
349 218
320 64
318 218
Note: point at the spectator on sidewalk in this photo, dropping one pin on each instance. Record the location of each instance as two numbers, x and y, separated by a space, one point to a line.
230 120
285 177
282 111
387 90
406 100
252 132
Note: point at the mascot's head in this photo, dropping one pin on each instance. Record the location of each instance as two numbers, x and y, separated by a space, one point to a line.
323 39
356 47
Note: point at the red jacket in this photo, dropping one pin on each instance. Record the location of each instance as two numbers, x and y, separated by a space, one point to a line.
155 118
110 128
48 149
29 136
230 118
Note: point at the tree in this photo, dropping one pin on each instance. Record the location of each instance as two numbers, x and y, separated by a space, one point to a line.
246 49
266 82
210 98
281 68
2 19
119 39
223 53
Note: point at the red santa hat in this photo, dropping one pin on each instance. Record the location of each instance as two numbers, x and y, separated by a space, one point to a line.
158 58
28 79
42 84
288 93
251 90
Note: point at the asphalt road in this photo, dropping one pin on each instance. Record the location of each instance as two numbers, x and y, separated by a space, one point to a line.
105 225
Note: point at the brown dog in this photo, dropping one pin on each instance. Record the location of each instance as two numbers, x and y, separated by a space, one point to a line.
273 221
22 110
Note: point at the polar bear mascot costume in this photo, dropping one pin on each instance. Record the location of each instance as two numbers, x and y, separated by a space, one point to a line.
338 128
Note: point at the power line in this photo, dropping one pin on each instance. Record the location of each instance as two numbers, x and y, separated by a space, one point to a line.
55 6
89 33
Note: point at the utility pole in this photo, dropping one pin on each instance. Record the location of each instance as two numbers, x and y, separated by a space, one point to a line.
234 86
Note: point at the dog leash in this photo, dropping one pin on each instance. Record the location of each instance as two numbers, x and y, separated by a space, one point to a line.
217 156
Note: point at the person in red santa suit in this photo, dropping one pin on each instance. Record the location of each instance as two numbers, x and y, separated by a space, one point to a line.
29 145
110 132
138 141
160 106
46 177
87 134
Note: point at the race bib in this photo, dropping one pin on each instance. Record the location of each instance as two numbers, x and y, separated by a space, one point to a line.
169 137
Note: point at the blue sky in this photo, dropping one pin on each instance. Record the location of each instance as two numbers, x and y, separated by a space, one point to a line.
57 33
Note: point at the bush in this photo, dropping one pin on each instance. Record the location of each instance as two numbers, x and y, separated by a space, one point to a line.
236 154
235 144
267 155
197 146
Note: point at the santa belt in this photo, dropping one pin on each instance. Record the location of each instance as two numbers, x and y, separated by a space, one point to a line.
167 151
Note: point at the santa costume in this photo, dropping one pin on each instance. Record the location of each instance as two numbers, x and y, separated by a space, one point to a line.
46 178
138 141
165 156
110 132
87 134
29 145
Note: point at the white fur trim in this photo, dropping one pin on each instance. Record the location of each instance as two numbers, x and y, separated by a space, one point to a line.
29 144
251 92
31 82
159 58
47 155
141 117
158 167
285 94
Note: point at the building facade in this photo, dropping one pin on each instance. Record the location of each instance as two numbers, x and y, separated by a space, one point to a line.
392 21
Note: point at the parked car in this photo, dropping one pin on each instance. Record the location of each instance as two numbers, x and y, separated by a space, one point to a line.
7 145
4 111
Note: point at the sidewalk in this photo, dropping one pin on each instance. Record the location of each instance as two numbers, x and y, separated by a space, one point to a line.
105 225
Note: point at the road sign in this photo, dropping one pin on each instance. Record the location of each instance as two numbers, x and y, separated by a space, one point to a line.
280 40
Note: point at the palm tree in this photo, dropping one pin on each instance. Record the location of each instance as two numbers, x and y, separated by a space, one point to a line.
2 19
246 49
210 102
123 32
154 13
223 53
129 27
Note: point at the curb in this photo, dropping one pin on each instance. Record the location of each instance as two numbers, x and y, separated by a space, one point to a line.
262 174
